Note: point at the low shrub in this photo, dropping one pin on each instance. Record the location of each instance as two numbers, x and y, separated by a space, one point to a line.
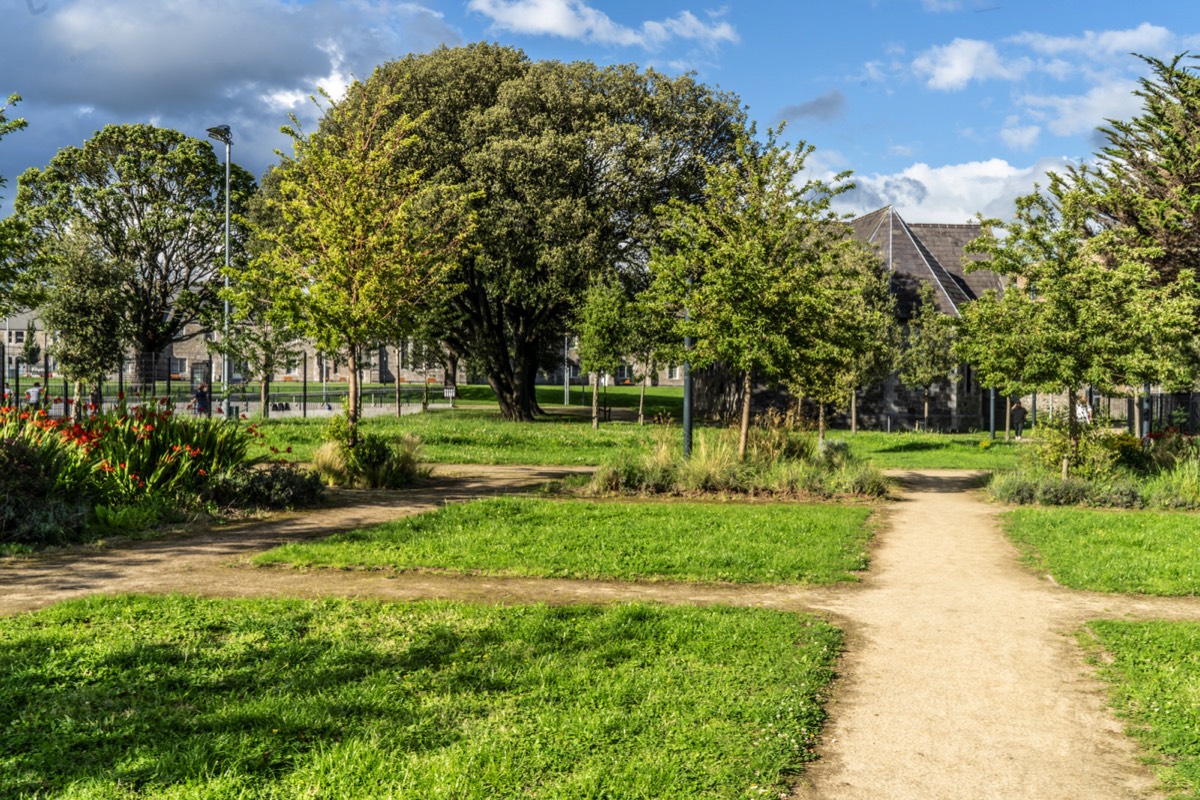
329 463
35 506
375 461
1016 487
1059 492
278 485
1178 487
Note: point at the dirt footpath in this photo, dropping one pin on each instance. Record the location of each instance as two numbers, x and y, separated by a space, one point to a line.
962 678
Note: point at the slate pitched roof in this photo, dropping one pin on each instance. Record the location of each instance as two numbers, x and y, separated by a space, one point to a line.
925 253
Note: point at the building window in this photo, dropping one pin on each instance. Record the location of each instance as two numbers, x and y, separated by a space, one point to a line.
673 372
16 337
179 366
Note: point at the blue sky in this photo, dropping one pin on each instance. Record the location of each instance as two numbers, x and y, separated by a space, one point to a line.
944 108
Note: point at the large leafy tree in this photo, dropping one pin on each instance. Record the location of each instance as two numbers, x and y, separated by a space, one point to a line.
152 201
568 162
927 349
1089 306
364 244
755 266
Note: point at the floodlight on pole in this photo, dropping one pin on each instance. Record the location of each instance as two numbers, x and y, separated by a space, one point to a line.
223 134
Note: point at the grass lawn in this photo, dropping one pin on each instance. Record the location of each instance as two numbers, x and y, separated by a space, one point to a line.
1144 552
480 436
1155 680
743 543
188 698
476 436
905 450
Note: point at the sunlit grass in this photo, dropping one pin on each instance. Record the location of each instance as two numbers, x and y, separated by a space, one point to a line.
775 543
1154 671
1141 552
187 698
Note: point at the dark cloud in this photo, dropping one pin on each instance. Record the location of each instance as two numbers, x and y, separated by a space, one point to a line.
828 106
82 64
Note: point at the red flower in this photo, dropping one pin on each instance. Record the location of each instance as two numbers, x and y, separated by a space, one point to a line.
201 472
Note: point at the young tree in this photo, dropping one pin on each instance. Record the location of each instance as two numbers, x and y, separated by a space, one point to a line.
927 353
568 162
602 335
31 351
365 243
84 303
153 201
751 265
859 346
1089 307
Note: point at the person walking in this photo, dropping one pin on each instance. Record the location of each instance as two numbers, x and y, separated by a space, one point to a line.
200 400
33 395
1018 418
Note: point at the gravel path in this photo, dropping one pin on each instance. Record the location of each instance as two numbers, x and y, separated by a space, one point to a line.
962 677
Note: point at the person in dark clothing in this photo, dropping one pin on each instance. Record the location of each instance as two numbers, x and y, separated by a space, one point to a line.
1018 418
200 401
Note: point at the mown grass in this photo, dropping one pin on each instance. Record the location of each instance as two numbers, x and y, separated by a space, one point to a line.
1141 552
1154 673
480 436
189 698
905 450
776 543
472 436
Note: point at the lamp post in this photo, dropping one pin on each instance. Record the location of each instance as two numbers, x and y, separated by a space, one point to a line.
222 134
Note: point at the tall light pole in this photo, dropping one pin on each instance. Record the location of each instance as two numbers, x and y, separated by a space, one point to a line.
222 134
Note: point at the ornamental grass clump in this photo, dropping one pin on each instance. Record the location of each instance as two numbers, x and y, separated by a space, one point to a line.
373 461
777 463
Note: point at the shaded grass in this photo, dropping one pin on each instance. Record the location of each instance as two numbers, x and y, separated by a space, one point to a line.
1154 674
190 698
777 543
1142 552
932 450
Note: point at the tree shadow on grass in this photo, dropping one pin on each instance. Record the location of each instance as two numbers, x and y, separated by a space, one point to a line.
242 702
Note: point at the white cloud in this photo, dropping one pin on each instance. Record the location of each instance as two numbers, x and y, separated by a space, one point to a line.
1145 38
951 67
575 19
1019 137
1081 113
953 193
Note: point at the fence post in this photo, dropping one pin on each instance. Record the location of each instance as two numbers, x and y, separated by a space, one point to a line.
304 387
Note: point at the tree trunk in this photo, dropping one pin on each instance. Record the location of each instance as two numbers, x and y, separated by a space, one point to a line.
927 409
821 426
352 403
399 395
642 403
1072 428
1007 417
744 431
264 396
854 412
595 401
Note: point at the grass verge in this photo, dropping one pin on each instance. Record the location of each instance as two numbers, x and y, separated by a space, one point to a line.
1141 552
931 450
189 698
777 543
1154 674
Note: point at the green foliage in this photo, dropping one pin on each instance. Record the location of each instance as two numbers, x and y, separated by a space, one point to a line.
185 697
150 201
769 543
782 464
1178 486
763 276
37 504
569 161
603 334
361 243
927 350
1143 552
276 485
374 460
87 305
1154 673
